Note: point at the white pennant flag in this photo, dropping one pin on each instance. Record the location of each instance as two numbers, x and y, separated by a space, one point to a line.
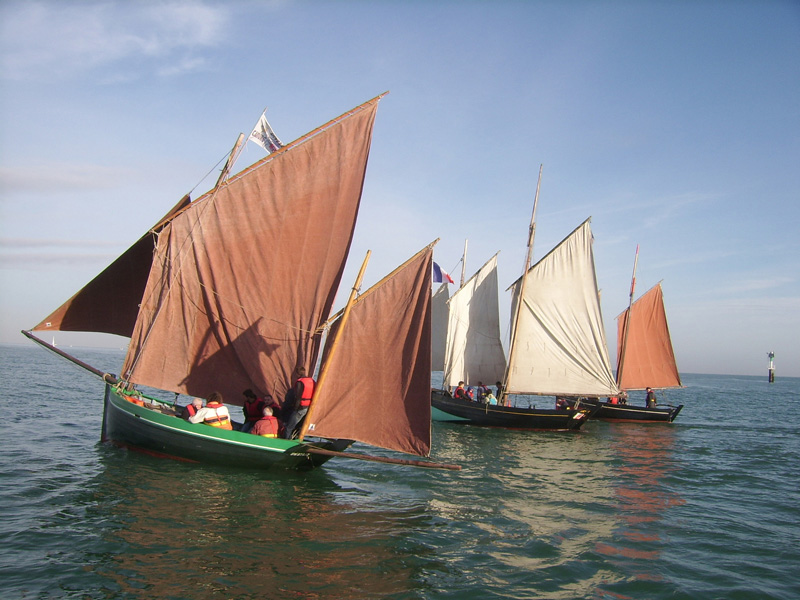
264 136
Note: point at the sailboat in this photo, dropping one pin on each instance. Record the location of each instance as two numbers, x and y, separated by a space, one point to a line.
645 358
233 291
557 345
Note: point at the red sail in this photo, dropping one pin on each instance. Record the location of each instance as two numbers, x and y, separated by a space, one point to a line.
110 302
649 358
378 391
242 279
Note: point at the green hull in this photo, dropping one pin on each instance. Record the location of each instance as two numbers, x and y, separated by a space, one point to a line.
128 424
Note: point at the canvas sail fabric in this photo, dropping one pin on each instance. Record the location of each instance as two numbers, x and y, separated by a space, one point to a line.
378 390
243 277
474 351
110 302
649 358
560 343
439 326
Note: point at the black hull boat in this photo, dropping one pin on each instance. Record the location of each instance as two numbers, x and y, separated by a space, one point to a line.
146 425
449 409
631 414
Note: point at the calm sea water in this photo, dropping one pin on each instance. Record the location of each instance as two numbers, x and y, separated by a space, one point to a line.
705 508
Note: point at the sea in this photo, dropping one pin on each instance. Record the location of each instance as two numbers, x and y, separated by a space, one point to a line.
707 507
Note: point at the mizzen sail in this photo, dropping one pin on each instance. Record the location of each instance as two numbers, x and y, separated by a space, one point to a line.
649 357
378 391
559 342
439 326
243 277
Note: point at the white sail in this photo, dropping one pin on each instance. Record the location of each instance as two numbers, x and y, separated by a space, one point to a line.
439 326
559 345
473 352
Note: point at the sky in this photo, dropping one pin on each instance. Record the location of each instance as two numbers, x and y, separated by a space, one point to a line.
674 125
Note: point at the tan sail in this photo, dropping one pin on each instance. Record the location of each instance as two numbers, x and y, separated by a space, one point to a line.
559 344
649 357
243 277
474 351
110 302
439 326
379 388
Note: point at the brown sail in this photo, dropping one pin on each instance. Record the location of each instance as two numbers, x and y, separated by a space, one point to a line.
243 277
649 358
378 390
100 306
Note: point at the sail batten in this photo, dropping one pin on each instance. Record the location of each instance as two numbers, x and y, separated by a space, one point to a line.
559 343
649 356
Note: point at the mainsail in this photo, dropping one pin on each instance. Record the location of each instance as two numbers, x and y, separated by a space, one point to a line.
240 279
649 357
559 343
473 350
380 393
439 326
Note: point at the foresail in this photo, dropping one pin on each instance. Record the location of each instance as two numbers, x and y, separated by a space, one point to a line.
110 302
242 279
649 357
439 326
560 343
474 351
378 386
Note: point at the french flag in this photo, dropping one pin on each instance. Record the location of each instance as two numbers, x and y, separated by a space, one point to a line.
440 275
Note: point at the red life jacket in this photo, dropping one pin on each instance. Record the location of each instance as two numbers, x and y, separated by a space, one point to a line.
308 391
253 410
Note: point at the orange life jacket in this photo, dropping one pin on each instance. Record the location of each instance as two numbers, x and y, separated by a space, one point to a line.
273 421
222 421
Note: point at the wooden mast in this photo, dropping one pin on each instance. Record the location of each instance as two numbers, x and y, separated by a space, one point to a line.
626 326
463 264
512 343
226 170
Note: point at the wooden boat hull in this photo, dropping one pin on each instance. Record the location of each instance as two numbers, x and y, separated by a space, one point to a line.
449 409
633 414
128 424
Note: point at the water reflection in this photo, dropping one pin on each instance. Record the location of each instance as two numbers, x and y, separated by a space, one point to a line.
197 532
644 459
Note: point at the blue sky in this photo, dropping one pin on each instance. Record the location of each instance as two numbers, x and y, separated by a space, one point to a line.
674 125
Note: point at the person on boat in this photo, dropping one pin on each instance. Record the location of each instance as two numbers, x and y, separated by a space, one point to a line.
499 393
561 403
460 393
267 425
489 398
214 413
651 398
481 392
191 409
298 397
252 409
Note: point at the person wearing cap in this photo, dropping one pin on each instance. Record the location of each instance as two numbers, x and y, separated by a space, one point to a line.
650 398
214 413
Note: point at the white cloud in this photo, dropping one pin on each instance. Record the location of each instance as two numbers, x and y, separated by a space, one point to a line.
54 39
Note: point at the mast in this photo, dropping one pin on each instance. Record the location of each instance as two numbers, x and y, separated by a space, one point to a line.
463 264
531 235
627 320
226 170
323 374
